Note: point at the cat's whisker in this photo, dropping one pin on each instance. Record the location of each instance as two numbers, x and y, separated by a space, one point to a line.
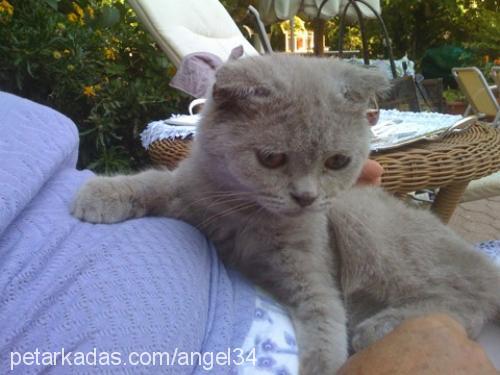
226 212
225 201
218 200
227 193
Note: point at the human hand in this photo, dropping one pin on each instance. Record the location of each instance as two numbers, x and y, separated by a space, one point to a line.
430 345
371 173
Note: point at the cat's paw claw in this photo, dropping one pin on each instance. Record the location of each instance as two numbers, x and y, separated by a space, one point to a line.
102 201
373 329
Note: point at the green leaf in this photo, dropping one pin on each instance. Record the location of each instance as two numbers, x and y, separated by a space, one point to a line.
52 3
109 17
115 69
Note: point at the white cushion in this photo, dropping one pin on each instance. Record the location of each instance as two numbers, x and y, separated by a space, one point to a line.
485 187
365 11
278 10
181 27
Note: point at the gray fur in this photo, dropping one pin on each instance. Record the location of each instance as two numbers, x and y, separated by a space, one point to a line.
356 260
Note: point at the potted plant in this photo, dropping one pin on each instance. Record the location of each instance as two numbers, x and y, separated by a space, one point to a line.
455 101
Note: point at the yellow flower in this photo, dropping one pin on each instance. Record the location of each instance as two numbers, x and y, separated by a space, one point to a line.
90 11
61 26
70 67
109 54
78 10
171 71
56 55
6 7
89 91
72 17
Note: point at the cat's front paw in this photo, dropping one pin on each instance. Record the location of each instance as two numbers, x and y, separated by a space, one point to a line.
373 329
104 200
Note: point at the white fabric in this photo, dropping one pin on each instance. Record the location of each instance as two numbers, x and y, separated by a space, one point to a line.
181 27
330 9
270 346
280 10
424 118
365 11
158 130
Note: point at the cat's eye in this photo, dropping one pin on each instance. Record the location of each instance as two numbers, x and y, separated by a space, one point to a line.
271 160
337 161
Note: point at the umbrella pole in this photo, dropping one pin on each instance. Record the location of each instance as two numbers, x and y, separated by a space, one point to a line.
319 33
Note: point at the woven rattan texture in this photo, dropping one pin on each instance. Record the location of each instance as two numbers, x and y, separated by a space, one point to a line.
169 152
459 157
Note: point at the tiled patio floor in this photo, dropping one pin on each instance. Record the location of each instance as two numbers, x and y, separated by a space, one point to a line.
478 220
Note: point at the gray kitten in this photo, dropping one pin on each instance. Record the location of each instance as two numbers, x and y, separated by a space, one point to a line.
270 180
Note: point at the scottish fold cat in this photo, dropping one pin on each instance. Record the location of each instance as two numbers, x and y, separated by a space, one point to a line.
270 180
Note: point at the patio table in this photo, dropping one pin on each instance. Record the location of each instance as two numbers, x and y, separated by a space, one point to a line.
448 164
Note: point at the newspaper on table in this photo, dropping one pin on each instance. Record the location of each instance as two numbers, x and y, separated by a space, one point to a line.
395 129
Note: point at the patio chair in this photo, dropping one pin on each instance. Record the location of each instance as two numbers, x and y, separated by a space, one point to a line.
495 74
188 26
479 95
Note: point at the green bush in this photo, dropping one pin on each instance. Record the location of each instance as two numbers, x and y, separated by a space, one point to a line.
90 60
417 25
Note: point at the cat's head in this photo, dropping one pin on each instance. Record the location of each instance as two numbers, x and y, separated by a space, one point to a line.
290 131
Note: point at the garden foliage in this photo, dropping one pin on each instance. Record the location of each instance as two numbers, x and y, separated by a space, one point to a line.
90 60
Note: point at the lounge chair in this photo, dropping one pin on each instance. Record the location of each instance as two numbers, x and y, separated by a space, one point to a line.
479 95
188 26
495 74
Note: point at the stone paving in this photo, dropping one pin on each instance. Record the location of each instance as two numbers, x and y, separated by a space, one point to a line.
478 220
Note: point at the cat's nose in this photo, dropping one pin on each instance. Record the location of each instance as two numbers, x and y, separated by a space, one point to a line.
303 200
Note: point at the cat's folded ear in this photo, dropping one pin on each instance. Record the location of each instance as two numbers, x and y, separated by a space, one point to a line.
235 86
361 83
